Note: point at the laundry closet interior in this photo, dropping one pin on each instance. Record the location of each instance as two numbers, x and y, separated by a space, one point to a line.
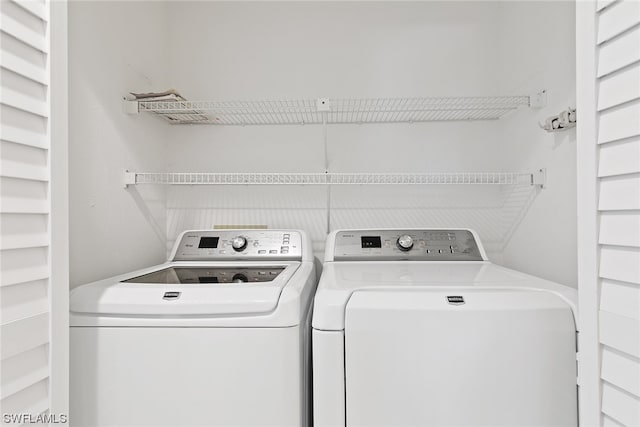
321 116
320 210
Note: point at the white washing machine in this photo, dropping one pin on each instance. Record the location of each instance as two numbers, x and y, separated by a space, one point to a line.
217 336
418 328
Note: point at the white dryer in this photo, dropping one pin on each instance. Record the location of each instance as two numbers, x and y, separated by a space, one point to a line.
217 336
418 328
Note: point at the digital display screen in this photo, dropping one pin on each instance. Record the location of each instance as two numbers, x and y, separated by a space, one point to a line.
371 242
208 242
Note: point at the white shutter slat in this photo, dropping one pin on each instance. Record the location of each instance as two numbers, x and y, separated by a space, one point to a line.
619 88
618 18
21 171
619 53
620 406
601 4
620 298
24 68
621 370
23 102
619 123
24 265
27 274
23 301
23 33
31 400
619 158
609 422
23 335
23 231
19 195
16 205
24 370
23 136
620 193
36 8
621 333
620 228
620 263
24 241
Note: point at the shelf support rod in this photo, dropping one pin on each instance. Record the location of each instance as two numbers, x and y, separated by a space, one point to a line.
326 168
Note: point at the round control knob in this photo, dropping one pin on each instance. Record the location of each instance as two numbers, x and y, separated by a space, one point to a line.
239 243
239 278
405 242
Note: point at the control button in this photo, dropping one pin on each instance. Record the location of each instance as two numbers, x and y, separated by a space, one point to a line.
222 251
256 243
284 251
405 242
284 248
428 251
285 236
239 243
262 273
273 251
439 251
272 273
239 278
262 251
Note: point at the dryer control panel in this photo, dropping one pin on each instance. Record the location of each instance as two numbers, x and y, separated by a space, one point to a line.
221 245
407 245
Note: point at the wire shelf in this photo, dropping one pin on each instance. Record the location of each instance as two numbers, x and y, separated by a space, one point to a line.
339 111
175 178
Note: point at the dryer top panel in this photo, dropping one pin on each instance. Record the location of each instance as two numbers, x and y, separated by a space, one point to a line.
405 245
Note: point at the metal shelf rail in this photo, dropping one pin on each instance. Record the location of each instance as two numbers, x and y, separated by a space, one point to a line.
205 178
333 111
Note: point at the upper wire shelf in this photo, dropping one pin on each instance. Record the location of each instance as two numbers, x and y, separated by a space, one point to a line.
331 111
332 178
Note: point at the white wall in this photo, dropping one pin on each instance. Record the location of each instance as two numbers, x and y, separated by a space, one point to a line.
290 50
114 47
537 49
309 50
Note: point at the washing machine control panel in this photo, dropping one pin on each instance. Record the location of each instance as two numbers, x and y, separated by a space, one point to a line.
409 245
222 245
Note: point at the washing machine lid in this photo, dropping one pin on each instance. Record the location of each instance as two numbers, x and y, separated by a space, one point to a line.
340 280
186 289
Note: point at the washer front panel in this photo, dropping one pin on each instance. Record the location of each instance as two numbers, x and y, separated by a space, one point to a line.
391 245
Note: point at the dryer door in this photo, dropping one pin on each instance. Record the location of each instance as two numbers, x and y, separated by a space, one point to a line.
464 358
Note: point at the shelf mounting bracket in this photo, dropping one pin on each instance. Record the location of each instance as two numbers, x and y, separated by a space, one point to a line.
539 178
130 107
538 100
128 178
323 105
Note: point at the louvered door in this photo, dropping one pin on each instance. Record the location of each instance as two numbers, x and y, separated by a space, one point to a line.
609 210
25 289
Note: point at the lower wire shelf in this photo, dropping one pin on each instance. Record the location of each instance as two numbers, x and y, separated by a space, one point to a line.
537 178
